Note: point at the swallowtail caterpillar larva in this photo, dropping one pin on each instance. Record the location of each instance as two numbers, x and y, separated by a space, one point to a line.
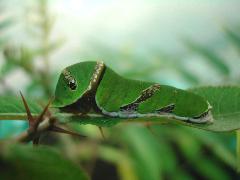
93 87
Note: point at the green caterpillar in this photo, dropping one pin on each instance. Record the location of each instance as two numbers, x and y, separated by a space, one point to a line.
93 87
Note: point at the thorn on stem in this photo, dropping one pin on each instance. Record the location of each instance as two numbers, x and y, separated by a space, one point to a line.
44 112
34 122
101 131
29 115
55 128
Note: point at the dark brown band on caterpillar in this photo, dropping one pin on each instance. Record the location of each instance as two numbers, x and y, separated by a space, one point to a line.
146 94
202 115
166 109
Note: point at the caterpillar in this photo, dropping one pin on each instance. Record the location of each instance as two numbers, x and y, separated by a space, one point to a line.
94 87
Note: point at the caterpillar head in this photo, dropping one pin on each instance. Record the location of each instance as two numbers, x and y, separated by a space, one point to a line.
74 82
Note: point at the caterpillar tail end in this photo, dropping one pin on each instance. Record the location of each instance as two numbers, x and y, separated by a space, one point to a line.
205 117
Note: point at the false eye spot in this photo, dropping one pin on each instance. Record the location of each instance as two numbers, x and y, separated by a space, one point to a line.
70 80
72 84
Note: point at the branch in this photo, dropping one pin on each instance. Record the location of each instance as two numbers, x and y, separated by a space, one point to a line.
27 136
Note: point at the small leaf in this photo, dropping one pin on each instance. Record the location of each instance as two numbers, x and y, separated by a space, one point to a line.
27 162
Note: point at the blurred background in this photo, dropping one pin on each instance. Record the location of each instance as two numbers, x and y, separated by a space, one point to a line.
180 43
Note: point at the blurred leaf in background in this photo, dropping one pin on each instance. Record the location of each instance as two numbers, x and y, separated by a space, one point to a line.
24 162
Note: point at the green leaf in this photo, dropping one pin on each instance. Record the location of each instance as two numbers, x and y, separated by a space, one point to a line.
11 108
238 150
224 100
203 144
121 159
145 150
218 143
27 162
192 151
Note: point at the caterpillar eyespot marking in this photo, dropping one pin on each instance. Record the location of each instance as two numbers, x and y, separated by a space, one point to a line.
70 80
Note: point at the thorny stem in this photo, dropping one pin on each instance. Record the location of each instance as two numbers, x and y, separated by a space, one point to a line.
43 122
27 137
47 124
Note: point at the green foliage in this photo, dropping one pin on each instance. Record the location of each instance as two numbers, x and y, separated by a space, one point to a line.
24 57
147 158
224 100
238 150
204 166
26 162
182 150
5 22
12 108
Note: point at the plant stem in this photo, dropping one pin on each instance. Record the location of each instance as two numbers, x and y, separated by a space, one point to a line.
27 137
